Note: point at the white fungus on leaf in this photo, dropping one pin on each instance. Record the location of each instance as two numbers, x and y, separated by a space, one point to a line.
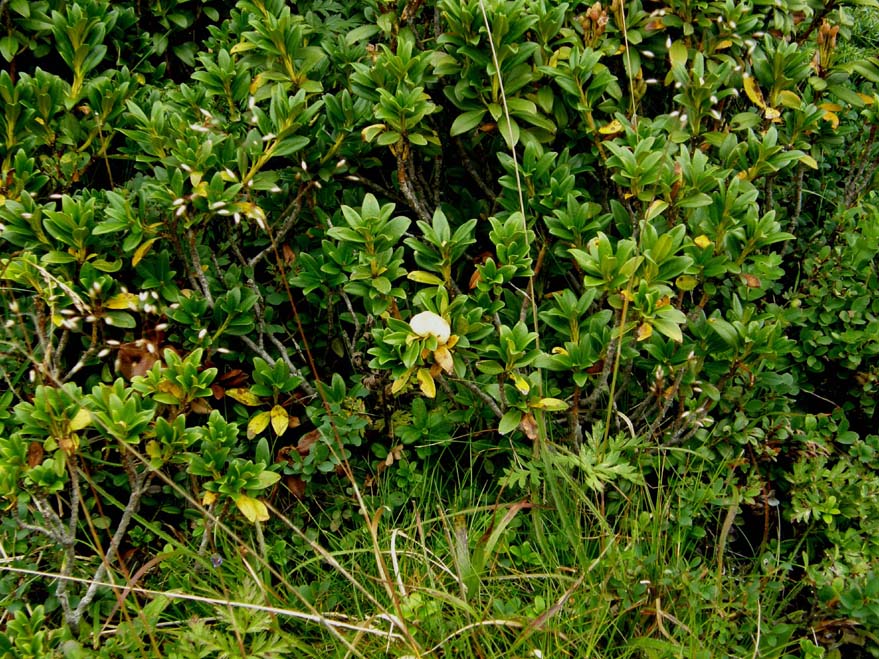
427 323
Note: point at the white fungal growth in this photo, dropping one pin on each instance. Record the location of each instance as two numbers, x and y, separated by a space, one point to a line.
427 323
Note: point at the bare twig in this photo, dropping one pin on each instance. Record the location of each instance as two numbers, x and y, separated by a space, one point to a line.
473 387
290 215
196 266
470 169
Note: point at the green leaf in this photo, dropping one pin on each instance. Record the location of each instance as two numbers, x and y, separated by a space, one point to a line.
266 479
677 54
361 33
510 421
668 328
423 277
369 133
8 48
466 122
120 319
725 331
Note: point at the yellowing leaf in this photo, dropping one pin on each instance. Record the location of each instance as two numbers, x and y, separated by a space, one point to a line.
154 450
243 395
772 113
702 241
253 509
443 357
809 161
752 89
400 383
257 424
122 301
558 350
645 331
142 250
789 99
657 207
868 100
832 118
686 282
551 404
80 420
425 381
280 420
423 277
722 45
521 384
612 128
208 498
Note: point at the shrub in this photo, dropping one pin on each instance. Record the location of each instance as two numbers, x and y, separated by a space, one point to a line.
321 257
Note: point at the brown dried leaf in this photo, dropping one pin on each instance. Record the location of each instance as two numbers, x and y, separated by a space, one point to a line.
307 441
35 454
296 486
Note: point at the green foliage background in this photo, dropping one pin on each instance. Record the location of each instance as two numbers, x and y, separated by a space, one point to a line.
412 328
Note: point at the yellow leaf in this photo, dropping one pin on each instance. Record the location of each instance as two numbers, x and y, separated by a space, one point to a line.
868 100
243 395
702 241
612 128
122 301
142 250
772 113
208 498
280 420
443 357
558 350
257 424
722 45
809 161
154 450
400 383
80 420
832 118
645 332
253 509
172 388
551 404
752 89
521 384
425 381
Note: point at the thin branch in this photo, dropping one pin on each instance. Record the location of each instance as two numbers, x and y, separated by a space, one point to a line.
306 387
471 169
474 388
140 487
196 266
291 215
408 190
